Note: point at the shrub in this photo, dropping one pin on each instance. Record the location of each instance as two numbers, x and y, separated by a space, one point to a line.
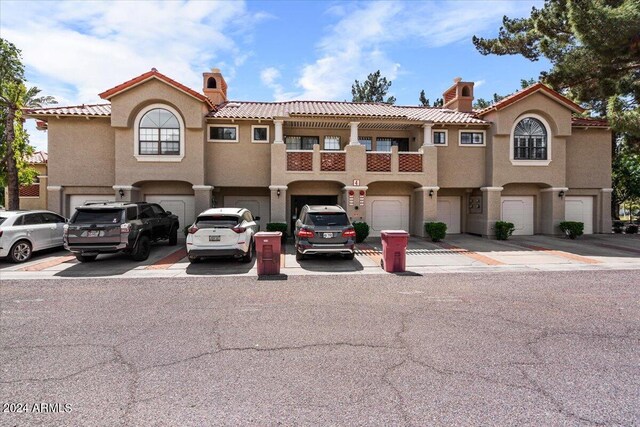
436 230
278 226
185 230
362 231
572 229
504 230
618 227
632 229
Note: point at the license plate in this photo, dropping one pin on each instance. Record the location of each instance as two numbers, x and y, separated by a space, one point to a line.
93 233
214 238
327 235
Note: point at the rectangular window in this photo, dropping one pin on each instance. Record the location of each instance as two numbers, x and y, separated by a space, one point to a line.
260 134
301 142
471 138
331 142
440 137
383 144
223 133
530 148
366 141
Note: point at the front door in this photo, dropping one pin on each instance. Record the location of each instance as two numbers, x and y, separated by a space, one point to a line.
297 202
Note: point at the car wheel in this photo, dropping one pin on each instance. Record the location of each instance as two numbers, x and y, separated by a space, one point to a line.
173 236
142 249
249 255
299 256
193 259
20 251
86 258
349 256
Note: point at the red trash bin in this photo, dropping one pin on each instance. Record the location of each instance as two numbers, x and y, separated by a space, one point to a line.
268 252
394 250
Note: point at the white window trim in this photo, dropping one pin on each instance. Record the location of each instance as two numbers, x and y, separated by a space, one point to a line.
324 142
549 139
252 134
446 137
157 157
482 131
230 141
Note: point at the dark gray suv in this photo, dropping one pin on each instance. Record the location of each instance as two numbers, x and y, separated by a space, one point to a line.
324 230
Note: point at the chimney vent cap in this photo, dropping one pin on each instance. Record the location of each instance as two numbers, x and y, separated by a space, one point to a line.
215 70
457 79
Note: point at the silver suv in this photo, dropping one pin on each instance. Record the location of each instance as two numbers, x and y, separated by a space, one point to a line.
324 230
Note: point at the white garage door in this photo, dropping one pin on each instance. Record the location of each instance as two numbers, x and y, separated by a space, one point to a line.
579 209
258 205
519 211
387 213
81 199
183 206
449 213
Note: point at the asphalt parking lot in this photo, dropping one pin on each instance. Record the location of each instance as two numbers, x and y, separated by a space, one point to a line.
457 253
509 348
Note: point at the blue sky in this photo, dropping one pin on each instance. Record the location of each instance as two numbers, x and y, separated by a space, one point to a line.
267 50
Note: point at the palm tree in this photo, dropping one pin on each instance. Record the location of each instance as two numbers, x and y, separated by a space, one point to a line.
14 96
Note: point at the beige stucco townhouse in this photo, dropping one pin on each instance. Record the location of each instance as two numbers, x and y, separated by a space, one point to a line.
524 160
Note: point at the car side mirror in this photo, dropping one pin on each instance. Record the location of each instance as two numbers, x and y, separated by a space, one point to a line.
168 212
257 218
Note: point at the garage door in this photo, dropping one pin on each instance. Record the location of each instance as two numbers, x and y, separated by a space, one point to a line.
387 213
81 199
183 206
579 209
519 211
449 213
258 205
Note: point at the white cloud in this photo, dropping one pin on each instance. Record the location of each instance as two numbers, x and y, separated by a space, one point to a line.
479 83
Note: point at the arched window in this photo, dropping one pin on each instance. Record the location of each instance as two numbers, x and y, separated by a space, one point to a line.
211 83
530 140
159 133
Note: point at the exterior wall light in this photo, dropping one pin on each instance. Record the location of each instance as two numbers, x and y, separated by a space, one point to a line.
430 193
278 193
561 194
121 193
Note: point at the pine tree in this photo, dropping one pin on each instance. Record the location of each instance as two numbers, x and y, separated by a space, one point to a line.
424 101
374 89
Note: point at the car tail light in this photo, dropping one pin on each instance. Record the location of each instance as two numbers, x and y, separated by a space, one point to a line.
0 233
125 228
349 233
193 229
239 229
306 234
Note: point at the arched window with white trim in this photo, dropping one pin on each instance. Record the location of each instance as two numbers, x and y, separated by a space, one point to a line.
159 133
530 140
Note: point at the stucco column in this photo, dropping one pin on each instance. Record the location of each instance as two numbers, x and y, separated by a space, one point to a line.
353 138
426 208
491 209
279 203
202 196
44 181
427 140
552 209
355 204
604 223
126 193
55 199
279 139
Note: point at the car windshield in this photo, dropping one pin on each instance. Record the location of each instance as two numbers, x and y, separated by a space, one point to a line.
98 216
329 218
217 221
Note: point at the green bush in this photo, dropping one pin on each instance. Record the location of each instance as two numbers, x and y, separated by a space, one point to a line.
572 229
504 230
362 231
185 230
436 230
631 229
618 227
278 226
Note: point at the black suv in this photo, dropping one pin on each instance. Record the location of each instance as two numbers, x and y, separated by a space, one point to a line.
103 228
324 230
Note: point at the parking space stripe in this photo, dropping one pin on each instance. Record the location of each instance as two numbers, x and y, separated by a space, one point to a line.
48 263
561 254
474 255
169 260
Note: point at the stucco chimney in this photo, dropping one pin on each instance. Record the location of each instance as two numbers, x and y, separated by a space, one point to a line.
459 97
214 86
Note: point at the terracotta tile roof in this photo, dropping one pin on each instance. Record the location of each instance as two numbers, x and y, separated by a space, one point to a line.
30 190
38 157
589 122
94 110
150 75
271 110
504 102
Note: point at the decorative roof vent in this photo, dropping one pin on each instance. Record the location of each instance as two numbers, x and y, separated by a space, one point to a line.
214 86
459 97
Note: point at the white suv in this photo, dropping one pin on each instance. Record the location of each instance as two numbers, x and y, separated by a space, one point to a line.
222 232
